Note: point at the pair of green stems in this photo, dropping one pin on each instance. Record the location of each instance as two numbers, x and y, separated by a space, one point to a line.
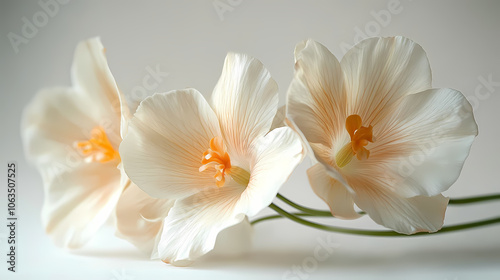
308 212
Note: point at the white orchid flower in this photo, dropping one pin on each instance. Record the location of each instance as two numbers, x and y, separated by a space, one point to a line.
384 139
220 162
72 135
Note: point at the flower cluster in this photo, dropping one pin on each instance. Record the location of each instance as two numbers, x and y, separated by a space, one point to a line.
181 169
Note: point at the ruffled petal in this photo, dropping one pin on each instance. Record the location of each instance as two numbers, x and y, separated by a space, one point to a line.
96 86
316 99
166 139
404 215
139 218
191 228
421 148
338 198
274 157
245 100
379 72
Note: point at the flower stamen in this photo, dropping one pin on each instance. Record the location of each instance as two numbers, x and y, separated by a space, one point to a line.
360 137
218 157
97 148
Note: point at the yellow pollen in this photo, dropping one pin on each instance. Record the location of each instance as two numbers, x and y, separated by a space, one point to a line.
97 148
217 157
360 136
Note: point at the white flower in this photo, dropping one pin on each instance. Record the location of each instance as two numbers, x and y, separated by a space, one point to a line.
72 135
221 163
384 139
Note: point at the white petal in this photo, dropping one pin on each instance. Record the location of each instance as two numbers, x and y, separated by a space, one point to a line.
166 139
380 71
94 82
404 215
245 100
191 228
78 200
316 101
279 118
139 218
422 147
318 153
322 155
275 157
338 198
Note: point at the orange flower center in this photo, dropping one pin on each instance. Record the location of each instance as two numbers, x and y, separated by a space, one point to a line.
97 148
217 157
360 137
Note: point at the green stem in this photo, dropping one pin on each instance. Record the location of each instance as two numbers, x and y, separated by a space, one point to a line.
378 232
322 213
319 213
304 209
272 217
474 199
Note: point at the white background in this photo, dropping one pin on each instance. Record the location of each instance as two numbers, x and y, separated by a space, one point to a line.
189 40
